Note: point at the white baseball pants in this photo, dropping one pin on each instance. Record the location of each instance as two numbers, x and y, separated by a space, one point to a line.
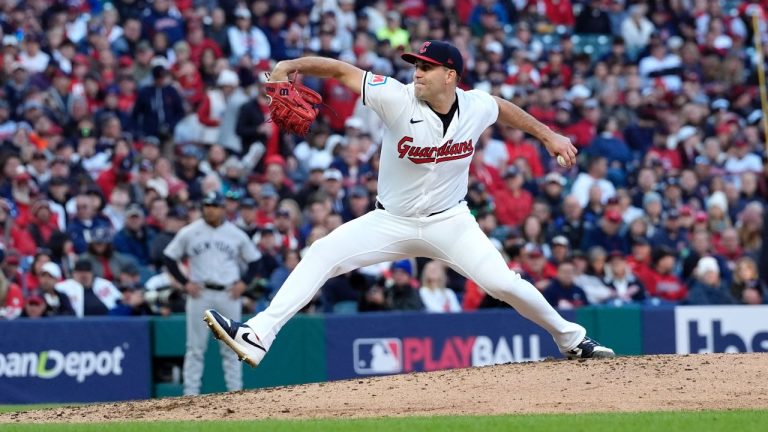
453 237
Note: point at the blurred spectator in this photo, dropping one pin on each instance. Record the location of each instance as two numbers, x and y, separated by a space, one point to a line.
86 219
392 32
513 203
401 293
135 237
158 106
661 281
606 233
708 288
218 112
728 246
593 19
11 299
133 301
106 262
625 287
479 200
536 267
572 223
31 279
592 278
562 293
636 29
251 127
672 235
341 294
358 203
597 168
747 288
245 39
608 143
267 246
288 262
434 294
56 302
661 66
42 223
560 249
176 219
88 294
163 16
188 170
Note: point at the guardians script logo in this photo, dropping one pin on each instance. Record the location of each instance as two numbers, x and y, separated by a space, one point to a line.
446 152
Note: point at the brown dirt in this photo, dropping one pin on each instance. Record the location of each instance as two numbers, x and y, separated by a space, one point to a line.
647 383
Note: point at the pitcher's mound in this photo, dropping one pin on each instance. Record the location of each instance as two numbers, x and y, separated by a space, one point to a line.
647 383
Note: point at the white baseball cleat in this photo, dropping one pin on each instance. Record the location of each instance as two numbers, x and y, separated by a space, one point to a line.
239 337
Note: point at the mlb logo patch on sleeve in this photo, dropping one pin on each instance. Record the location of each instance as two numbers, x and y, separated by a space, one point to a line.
375 80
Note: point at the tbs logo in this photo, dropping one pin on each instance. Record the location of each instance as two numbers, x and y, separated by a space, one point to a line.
721 329
378 356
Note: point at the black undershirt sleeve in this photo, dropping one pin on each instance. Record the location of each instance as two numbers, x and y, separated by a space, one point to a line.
173 268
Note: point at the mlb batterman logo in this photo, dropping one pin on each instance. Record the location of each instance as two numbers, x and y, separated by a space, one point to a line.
378 356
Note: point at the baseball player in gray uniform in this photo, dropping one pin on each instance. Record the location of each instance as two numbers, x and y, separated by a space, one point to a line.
432 129
216 250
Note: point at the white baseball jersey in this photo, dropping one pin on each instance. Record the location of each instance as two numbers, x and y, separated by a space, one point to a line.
215 254
422 170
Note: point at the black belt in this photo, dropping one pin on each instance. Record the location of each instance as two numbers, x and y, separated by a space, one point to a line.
380 206
216 287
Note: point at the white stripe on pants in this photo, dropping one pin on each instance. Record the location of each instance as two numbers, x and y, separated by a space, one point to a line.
453 237
197 340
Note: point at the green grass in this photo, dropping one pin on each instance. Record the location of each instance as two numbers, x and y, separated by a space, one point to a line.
726 421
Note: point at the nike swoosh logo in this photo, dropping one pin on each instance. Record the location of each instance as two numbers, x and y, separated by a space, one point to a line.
416 121
247 338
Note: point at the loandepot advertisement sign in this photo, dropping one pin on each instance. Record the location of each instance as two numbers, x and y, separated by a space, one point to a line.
408 342
71 360
721 329
51 364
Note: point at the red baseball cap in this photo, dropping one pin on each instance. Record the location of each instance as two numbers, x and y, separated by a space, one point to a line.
439 53
612 215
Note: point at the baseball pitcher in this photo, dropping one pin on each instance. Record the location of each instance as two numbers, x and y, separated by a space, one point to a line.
432 130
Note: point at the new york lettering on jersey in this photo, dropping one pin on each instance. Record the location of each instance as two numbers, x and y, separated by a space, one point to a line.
199 247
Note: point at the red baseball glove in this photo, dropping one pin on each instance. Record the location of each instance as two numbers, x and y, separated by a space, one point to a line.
292 106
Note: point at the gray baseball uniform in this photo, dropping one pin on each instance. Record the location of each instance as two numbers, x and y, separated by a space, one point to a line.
216 256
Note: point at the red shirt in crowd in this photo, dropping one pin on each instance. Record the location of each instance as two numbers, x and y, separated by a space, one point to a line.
196 51
338 104
545 115
512 207
558 11
670 158
667 287
527 151
582 132
487 175
14 302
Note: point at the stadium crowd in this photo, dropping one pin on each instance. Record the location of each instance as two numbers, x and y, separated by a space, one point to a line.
116 117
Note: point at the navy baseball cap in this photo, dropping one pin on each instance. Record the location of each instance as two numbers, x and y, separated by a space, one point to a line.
439 53
213 198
